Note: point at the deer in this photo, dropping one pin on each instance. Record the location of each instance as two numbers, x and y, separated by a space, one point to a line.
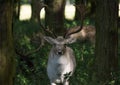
61 59
61 62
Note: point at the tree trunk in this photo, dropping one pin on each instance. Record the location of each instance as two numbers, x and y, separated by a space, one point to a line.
54 17
36 6
34 15
7 56
77 13
106 62
16 12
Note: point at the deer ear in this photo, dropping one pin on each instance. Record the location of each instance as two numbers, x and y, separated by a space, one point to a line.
70 40
50 40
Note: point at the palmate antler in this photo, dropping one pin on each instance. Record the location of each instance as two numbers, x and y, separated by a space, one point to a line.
46 29
83 10
81 32
25 56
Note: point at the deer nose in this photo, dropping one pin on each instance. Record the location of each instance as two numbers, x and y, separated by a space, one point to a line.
60 52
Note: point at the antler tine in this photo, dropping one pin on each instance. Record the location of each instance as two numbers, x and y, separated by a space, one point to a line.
46 29
51 32
82 9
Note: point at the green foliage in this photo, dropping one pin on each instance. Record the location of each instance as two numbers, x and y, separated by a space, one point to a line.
28 74
84 57
69 24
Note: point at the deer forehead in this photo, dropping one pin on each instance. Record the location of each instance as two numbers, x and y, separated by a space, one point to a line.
60 40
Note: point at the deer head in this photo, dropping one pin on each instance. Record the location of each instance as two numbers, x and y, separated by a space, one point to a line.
59 44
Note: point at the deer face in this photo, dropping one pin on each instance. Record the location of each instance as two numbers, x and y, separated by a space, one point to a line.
59 44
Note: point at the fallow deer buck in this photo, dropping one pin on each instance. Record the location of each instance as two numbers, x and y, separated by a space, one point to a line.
61 62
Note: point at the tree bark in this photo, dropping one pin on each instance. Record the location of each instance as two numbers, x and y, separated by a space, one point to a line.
7 62
36 7
54 17
77 13
16 12
106 62
34 11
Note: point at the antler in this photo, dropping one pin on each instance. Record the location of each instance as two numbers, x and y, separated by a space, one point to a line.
46 29
25 56
82 9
